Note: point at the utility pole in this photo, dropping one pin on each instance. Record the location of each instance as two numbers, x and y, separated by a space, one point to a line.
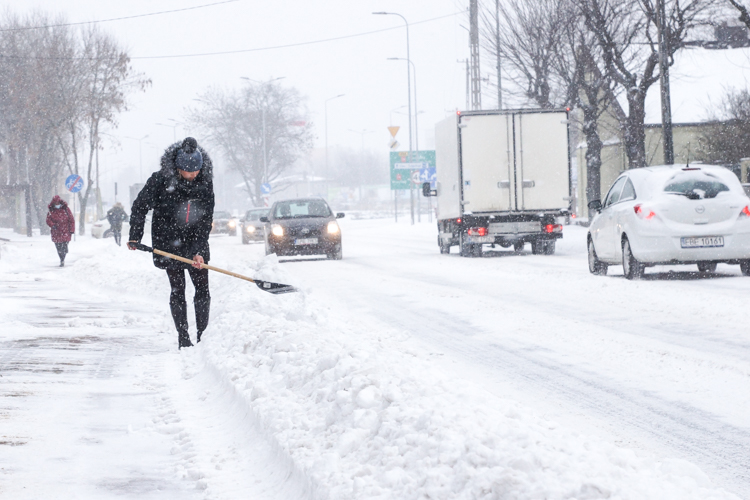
497 47
476 82
666 105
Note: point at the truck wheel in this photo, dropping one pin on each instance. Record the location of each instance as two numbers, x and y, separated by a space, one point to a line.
745 267
464 249
518 246
631 268
536 247
477 250
444 249
549 247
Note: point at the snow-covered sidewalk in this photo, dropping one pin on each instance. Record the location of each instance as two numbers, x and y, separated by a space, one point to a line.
339 410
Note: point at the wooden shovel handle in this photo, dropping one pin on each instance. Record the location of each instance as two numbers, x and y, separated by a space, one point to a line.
206 266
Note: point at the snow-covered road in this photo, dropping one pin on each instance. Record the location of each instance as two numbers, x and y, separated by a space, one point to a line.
395 373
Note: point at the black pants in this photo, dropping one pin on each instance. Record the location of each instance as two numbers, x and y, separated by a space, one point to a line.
117 233
62 250
201 301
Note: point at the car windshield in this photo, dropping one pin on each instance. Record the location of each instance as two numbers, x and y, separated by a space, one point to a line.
255 214
695 185
296 209
222 215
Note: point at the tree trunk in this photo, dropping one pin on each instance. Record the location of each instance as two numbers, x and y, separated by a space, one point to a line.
593 154
634 132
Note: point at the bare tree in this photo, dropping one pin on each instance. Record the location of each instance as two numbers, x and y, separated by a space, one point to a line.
261 130
97 92
742 9
526 40
626 34
728 140
578 65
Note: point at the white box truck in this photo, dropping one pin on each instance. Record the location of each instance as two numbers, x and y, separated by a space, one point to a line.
503 178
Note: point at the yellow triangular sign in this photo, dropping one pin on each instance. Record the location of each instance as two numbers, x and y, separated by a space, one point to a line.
393 131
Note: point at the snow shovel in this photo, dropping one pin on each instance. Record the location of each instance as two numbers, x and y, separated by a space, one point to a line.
266 286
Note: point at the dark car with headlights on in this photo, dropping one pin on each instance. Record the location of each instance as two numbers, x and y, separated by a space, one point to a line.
304 226
224 223
251 227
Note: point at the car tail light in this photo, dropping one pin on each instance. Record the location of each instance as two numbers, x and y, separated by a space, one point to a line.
458 221
478 231
553 228
643 213
745 212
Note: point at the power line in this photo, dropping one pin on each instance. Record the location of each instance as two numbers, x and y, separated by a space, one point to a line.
286 46
26 28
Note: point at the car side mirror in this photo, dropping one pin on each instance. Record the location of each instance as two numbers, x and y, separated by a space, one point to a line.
426 191
340 215
595 205
264 219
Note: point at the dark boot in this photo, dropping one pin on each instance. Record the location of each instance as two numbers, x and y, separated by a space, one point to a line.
199 336
184 340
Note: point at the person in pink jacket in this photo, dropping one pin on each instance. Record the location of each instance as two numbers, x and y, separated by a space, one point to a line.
61 220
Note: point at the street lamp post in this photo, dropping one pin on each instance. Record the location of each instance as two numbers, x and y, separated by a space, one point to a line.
174 128
325 112
140 154
408 85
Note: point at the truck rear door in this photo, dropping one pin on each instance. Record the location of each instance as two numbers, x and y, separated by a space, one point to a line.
486 162
542 166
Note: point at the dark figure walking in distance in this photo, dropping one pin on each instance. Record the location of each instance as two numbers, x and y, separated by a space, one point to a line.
61 220
181 195
116 216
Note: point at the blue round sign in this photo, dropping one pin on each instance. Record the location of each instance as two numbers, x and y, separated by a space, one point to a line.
74 183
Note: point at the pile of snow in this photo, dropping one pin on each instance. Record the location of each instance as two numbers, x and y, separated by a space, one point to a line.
362 416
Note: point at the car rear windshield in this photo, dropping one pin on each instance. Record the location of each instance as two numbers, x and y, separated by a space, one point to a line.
255 214
301 208
695 185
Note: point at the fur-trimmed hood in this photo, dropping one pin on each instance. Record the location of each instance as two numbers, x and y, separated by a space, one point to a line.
56 200
169 168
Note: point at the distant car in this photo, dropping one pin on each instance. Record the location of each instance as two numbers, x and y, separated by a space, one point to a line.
251 227
224 223
676 214
304 226
102 229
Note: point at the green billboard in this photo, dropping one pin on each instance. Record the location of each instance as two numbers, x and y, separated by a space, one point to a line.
403 169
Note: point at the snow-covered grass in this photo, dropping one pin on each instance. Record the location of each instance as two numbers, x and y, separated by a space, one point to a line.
362 413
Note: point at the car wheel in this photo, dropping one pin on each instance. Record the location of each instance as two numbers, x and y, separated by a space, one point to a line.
548 248
107 234
536 247
337 254
631 268
745 267
595 265
707 267
518 246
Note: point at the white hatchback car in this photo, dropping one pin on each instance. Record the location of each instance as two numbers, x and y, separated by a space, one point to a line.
676 214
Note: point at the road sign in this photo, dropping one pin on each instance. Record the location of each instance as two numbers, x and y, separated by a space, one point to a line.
265 188
394 144
415 177
428 175
402 167
393 131
74 183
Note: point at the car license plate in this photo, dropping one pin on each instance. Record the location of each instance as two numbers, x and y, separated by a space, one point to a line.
702 242
306 241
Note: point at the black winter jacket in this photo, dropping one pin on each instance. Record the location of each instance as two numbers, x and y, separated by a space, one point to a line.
183 211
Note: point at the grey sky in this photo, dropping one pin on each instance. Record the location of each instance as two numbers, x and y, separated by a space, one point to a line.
354 66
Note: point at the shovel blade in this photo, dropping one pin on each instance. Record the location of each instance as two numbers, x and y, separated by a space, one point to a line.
275 288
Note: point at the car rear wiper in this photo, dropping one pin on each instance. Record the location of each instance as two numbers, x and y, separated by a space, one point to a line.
691 195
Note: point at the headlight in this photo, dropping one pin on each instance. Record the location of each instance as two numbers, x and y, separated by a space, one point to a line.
333 227
277 230
250 229
231 224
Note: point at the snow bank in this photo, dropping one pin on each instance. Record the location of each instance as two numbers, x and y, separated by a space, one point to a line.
363 416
